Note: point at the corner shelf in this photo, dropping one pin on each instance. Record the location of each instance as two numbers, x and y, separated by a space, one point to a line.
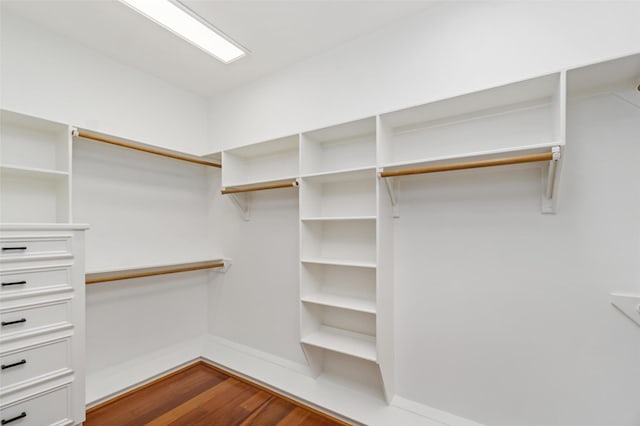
358 345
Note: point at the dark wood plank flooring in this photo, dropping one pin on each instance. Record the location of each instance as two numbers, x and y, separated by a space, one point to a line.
202 395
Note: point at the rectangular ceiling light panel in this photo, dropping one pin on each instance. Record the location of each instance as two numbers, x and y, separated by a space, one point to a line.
177 20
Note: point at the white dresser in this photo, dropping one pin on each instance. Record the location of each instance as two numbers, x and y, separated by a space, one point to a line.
42 309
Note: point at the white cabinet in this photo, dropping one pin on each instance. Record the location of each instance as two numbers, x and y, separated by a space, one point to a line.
35 170
42 323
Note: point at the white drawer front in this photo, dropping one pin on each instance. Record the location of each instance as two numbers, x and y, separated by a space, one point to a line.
25 319
14 282
27 247
46 409
31 363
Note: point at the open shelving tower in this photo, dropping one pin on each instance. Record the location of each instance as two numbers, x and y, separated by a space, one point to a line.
344 323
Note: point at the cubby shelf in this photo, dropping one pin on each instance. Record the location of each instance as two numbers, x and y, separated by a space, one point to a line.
342 302
338 262
358 345
35 174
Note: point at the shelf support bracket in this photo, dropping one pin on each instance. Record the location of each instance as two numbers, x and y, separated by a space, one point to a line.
390 184
240 201
549 198
628 304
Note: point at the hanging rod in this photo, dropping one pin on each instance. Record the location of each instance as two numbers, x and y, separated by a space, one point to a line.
547 156
164 153
291 184
149 272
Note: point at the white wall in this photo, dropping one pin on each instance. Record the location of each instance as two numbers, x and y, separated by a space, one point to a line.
256 302
451 48
504 313
143 210
49 76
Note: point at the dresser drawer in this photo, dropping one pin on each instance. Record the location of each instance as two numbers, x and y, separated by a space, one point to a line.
24 319
26 280
28 247
27 364
49 408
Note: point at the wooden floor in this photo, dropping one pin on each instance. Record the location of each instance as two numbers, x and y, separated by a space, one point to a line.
203 395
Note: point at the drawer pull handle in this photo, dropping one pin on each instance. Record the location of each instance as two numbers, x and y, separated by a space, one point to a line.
13 248
13 419
15 364
14 283
14 322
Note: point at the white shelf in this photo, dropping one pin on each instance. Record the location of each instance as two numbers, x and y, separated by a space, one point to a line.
31 172
336 218
343 302
478 155
344 175
346 342
338 262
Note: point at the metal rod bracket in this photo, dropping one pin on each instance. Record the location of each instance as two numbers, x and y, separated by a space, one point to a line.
240 201
390 184
549 197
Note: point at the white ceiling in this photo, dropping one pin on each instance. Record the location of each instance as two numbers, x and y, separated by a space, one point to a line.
278 34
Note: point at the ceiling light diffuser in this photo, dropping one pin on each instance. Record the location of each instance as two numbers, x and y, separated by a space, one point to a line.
187 26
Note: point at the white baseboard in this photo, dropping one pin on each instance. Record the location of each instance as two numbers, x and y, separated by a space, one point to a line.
286 377
118 379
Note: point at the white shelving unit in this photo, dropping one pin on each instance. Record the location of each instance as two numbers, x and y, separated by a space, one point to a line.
35 170
338 246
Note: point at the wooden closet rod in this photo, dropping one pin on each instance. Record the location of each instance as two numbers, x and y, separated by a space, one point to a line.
171 270
547 156
99 138
260 187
